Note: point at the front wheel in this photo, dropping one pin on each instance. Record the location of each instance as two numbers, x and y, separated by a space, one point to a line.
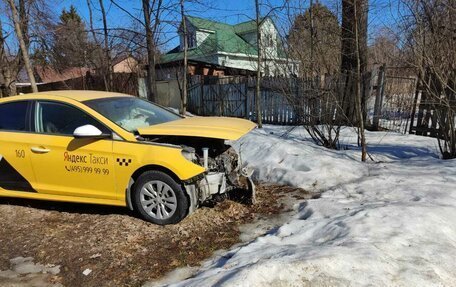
159 198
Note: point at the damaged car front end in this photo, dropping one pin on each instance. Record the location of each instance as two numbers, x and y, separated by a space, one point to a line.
224 171
205 142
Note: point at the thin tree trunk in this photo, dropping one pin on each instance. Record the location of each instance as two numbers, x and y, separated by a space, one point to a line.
108 67
152 86
258 76
312 34
358 96
185 68
92 30
94 35
23 46
4 67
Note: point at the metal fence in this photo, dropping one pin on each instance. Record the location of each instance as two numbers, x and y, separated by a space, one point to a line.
392 103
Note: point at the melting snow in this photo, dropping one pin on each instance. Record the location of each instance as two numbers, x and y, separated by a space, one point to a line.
389 223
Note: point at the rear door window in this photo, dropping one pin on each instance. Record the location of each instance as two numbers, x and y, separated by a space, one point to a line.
13 116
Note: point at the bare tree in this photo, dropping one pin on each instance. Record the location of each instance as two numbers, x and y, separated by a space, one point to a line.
314 40
22 43
354 64
354 43
34 19
316 94
358 80
70 45
385 49
8 68
430 44
151 43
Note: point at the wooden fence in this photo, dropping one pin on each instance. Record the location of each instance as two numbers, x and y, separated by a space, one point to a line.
235 97
435 106
290 101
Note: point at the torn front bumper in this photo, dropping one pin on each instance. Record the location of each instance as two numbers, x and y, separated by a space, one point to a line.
218 183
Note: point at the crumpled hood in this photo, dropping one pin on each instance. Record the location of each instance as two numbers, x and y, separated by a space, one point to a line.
207 127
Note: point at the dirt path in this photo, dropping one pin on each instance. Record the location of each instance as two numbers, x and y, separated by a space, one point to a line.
60 241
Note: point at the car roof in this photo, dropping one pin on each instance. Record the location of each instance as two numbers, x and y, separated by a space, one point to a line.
77 95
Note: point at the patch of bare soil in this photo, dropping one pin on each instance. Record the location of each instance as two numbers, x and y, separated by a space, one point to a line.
119 248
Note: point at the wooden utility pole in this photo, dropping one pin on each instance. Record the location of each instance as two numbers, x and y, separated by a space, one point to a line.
258 76
352 52
108 63
151 84
22 45
185 67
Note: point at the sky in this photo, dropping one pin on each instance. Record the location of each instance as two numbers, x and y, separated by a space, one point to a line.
381 13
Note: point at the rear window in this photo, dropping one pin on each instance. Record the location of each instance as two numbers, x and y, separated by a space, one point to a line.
13 116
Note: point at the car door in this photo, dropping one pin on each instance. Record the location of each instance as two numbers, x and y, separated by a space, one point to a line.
16 173
65 165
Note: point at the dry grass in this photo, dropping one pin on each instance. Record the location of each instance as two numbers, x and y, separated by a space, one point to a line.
131 250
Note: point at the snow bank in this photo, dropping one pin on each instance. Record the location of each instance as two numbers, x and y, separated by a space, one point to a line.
287 156
390 223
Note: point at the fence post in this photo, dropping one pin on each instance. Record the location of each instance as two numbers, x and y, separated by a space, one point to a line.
201 105
379 98
415 103
246 97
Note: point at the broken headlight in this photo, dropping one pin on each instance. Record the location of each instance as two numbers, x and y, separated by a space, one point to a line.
189 154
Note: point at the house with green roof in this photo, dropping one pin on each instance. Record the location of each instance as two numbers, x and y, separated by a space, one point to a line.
231 48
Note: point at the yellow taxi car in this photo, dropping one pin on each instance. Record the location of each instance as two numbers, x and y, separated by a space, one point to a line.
116 149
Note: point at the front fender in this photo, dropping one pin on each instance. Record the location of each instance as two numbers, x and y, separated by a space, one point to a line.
139 155
171 158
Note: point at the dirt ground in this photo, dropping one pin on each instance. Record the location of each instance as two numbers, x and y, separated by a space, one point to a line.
119 248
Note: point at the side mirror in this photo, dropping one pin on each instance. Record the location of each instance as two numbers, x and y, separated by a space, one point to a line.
89 131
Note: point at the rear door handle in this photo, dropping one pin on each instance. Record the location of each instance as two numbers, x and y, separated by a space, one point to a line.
40 150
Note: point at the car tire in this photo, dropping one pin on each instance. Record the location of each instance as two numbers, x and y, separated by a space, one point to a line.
159 199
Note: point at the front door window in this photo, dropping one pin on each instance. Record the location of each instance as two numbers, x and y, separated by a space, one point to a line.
61 119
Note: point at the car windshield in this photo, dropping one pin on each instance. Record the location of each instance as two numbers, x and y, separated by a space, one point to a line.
131 113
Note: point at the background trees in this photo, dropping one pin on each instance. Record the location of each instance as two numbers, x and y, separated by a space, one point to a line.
430 43
32 17
70 47
314 40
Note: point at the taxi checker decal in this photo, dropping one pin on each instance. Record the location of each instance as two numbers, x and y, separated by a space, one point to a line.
11 179
123 161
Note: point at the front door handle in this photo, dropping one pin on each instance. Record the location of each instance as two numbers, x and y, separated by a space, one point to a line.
40 150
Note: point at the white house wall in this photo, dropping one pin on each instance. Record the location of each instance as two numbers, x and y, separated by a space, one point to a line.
270 67
238 62
201 36
268 30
